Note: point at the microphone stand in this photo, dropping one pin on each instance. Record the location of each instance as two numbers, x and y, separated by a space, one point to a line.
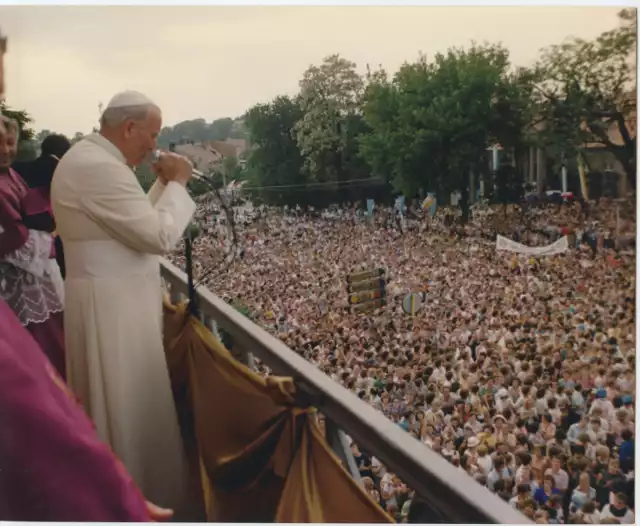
189 237
192 233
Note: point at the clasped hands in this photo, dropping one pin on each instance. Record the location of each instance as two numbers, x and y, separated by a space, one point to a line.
173 167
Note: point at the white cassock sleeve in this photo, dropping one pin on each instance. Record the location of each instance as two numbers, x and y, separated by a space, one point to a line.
155 191
115 200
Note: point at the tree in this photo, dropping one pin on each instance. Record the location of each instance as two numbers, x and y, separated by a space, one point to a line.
275 159
587 92
198 130
23 119
509 186
513 111
192 130
431 124
380 111
330 100
42 135
220 129
230 168
77 137
238 129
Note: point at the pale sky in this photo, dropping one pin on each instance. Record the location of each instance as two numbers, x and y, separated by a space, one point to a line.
218 61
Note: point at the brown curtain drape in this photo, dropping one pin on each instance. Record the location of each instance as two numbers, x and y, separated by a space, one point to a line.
257 457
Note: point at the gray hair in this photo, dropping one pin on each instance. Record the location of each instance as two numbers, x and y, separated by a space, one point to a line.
114 117
10 125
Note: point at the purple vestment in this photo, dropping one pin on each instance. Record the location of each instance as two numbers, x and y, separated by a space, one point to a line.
30 281
53 466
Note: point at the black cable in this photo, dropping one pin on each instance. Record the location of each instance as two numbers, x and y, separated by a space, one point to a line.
328 184
193 298
234 239
308 188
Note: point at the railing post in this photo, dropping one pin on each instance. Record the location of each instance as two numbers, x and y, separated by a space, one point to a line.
211 324
236 352
174 295
242 356
340 445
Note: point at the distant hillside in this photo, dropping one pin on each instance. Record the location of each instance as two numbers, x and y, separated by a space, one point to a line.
199 130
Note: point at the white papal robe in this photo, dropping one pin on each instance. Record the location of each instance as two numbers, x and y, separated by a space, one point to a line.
112 235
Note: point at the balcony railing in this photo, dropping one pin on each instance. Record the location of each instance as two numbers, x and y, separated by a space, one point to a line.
450 492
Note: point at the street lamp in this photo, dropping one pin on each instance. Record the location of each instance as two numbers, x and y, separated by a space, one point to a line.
495 162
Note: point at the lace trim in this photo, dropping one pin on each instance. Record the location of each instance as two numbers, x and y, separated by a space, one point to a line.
34 254
34 299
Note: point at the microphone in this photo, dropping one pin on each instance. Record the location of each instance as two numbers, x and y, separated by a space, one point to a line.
197 174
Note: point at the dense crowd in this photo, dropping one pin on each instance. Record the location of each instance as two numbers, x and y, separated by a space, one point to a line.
519 370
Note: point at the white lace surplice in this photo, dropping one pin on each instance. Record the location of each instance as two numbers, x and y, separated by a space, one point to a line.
30 281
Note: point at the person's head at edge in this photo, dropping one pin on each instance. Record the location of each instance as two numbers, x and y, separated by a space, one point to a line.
8 143
6 137
3 50
55 145
131 122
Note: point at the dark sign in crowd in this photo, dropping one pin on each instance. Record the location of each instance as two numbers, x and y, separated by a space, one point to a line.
517 368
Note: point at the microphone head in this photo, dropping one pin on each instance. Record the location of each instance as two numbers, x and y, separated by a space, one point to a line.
155 155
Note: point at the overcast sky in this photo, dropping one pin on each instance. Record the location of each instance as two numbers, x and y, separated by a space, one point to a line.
214 62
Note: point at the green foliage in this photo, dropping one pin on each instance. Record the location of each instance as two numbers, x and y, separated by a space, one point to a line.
275 159
23 119
380 109
27 149
330 100
231 169
587 90
220 129
197 187
429 125
238 129
242 309
513 110
193 231
198 130
42 135
509 186
433 122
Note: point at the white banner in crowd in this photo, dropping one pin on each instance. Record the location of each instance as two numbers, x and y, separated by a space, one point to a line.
558 247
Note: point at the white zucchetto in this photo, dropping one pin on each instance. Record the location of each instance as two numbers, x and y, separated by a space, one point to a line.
129 98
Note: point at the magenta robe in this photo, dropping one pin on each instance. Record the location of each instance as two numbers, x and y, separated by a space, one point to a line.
53 466
25 213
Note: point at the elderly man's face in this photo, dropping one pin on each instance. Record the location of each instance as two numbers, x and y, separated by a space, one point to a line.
140 137
8 145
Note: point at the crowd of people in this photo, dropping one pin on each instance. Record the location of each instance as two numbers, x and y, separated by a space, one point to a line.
518 369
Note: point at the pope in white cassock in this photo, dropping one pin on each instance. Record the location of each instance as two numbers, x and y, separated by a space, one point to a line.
112 235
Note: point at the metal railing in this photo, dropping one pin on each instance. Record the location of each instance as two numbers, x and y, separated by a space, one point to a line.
448 491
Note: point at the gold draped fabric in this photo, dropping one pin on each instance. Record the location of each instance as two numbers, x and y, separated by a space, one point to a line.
257 457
